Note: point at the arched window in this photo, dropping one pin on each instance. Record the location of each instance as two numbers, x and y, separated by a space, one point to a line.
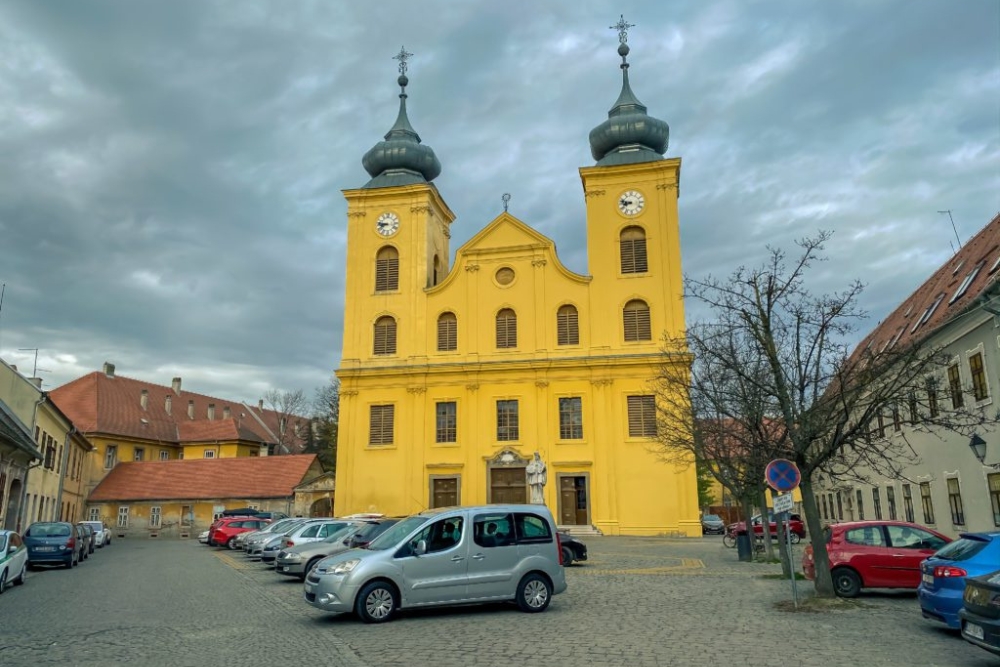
636 319
387 270
447 332
567 327
385 336
506 328
633 249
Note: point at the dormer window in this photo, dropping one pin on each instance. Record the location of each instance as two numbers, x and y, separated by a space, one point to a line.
927 313
965 283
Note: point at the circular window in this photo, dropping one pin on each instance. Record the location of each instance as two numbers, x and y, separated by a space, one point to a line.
505 276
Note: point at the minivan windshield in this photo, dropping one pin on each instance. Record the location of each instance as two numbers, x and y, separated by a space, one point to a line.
391 537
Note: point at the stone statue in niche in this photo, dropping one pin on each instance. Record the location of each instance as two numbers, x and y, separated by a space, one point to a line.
536 479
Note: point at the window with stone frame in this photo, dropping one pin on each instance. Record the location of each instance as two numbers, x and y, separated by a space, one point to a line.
385 336
927 503
110 456
955 501
633 250
897 420
911 400
506 329
890 501
155 516
635 320
138 454
387 270
908 503
861 504
571 418
380 424
980 388
446 418
877 504
641 416
955 386
932 398
447 332
508 427
567 326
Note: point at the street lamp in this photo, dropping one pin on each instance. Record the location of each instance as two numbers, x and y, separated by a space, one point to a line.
978 446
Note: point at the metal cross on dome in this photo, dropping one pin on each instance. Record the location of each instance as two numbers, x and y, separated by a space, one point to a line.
622 27
402 57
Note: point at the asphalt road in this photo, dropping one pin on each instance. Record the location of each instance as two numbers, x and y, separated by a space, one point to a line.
638 602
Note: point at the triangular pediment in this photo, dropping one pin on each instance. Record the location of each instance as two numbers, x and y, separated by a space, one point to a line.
505 231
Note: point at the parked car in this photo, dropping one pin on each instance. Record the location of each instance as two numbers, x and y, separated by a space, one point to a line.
875 554
89 539
712 524
225 531
256 514
572 549
943 575
310 530
795 525
276 525
372 529
203 537
444 557
296 561
53 542
102 536
980 614
13 559
253 547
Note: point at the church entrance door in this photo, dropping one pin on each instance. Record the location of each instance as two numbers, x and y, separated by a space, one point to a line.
574 507
508 485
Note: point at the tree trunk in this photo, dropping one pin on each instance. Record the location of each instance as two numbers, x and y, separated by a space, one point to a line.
786 563
747 516
766 527
817 538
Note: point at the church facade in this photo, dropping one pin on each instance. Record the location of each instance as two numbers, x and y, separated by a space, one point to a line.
454 375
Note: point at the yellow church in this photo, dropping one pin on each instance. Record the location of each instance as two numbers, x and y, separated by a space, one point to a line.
453 375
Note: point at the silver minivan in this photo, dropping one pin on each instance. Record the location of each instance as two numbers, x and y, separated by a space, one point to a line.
446 556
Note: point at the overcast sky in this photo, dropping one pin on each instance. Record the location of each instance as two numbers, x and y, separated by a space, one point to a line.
170 172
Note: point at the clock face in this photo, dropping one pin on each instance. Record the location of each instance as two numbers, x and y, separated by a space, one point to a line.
387 224
631 202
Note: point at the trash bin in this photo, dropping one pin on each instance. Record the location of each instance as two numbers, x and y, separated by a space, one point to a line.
744 549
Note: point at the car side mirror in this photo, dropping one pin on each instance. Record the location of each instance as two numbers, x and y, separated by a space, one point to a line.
420 548
11 549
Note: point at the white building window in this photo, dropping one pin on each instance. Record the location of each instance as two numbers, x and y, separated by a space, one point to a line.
95 514
110 456
209 453
123 516
164 455
154 517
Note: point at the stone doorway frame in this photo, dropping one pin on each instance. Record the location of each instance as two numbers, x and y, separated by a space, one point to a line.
559 500
505 458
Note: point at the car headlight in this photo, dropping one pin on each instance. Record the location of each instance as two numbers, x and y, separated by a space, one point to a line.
293 557
346 566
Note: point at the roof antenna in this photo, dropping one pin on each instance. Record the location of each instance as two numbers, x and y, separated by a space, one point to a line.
953 227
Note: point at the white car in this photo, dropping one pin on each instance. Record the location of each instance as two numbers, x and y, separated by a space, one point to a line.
203 538
102 536
13 559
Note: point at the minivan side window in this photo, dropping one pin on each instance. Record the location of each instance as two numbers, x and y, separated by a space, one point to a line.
493 530
439 536
532 529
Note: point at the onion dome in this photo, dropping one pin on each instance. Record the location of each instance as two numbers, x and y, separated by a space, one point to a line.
629 135
400 159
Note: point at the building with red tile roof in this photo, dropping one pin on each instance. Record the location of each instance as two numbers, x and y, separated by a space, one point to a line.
183 496
127 420
955 484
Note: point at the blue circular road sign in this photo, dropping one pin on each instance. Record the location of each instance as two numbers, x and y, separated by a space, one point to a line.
782 475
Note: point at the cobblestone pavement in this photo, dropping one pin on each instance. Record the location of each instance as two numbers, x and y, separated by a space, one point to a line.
638 602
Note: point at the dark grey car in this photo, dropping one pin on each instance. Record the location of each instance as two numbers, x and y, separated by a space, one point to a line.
298 560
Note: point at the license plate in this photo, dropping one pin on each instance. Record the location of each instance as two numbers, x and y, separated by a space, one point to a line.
928 579
285 568
974 631
45 549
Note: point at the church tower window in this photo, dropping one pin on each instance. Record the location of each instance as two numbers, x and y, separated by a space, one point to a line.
633 250
385 336
387 270
506 328
447 333
567 326
636 320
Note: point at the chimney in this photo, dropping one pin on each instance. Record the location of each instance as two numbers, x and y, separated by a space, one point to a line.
109 369
211 411
13 367
36 381
167 404
144 399
190 409
260 405
226 412
175 384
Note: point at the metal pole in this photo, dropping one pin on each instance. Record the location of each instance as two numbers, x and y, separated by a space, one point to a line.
791 563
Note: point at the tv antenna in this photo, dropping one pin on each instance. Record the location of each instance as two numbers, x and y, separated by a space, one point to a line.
34 370
953 228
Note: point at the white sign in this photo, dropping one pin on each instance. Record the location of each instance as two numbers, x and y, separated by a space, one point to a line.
783 503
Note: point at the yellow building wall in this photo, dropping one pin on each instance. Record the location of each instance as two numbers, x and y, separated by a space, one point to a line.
172 513
630 490
223 450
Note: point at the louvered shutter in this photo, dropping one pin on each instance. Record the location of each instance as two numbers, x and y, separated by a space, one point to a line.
636 321
506 329
641 416
387 270
633 250
380 428
447 333
385 336
567 327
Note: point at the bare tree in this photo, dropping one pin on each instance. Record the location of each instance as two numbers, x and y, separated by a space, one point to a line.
290 408
793 349
325 420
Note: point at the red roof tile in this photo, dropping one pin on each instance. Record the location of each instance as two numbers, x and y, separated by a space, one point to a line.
97 403
206 479
977 263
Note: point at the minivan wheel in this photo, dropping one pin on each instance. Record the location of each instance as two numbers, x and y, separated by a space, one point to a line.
533 593
846 582
567 555
376 603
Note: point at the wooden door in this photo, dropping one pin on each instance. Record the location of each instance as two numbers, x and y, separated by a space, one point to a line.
444 492
508 485
573 500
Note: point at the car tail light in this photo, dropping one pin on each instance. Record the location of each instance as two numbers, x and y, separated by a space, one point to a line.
946 571
71 543
559 548
289 543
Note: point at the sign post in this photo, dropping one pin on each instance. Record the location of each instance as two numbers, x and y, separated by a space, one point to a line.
783 476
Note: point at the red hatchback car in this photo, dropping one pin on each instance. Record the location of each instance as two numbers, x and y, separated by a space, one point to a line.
875 554
225 530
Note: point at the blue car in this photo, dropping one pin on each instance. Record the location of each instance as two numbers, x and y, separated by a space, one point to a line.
942 576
